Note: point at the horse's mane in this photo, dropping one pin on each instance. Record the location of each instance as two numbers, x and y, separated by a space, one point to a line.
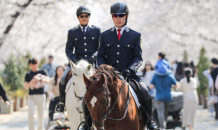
108 71
83 63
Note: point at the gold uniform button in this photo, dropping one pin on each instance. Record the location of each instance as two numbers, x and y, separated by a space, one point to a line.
108 45
85 49
84 43
128 45
118 45
92 37
117 61
76 39
118 53
84 37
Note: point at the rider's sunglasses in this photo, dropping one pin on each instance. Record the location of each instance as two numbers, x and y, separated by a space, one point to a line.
82 16
120 15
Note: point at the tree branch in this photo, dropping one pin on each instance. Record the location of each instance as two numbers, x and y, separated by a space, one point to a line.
10 26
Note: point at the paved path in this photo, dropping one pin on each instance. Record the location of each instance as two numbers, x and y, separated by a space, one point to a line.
19 120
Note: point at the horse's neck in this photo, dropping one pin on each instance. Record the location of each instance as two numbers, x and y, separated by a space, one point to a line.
115 89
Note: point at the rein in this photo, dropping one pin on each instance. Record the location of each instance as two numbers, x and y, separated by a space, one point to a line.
79 98
109 110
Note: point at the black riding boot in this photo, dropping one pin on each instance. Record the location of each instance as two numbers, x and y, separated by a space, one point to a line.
61 105
87 118
147 105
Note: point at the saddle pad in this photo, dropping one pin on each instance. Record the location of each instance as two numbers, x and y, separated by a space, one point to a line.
131 91
134 96
70 81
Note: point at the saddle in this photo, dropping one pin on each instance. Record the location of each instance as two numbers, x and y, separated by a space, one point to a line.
135 86
69 75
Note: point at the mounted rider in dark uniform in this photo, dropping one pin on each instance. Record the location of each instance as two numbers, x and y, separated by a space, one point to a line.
120 47
82 43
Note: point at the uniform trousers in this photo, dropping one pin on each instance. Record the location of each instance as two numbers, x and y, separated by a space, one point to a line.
36 100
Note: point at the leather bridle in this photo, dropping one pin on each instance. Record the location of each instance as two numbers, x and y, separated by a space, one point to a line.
105 116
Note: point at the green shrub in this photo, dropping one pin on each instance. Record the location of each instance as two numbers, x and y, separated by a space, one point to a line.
203 64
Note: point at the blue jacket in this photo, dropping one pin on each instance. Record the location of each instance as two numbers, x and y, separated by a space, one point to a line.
125 53
163 84
83 46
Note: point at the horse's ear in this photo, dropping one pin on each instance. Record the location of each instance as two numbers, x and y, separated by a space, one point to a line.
73 66
89 67
102 79
86 80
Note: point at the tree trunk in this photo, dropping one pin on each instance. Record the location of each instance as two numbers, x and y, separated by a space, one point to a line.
205 101
199 99
15 103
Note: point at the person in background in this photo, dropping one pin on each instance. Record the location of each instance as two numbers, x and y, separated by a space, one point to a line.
186 65
179 71
174 66
210 84
147 75
4 96
192 66
163 80
214 91
49 67
53 91
34 82
188 86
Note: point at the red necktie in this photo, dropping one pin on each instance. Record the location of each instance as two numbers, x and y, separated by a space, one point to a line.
119 35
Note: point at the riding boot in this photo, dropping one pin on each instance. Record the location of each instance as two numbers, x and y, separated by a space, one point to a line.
147 106
87 117
60 107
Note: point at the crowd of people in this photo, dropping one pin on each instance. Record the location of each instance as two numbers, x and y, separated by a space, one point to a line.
183 77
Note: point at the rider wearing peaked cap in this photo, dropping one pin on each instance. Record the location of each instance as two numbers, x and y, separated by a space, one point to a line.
120 47
83 40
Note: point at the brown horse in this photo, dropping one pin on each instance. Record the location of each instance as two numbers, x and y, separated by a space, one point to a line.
110 102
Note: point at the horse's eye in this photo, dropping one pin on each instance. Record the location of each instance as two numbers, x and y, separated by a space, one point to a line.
104 102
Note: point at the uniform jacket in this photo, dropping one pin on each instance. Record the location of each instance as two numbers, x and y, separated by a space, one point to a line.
125 53
80 46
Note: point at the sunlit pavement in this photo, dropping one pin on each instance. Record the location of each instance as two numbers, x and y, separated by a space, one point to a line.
19 120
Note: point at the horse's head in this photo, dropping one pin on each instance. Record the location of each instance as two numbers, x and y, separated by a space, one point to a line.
82 67
98 99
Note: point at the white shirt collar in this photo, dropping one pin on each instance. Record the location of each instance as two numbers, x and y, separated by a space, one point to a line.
122 29
82 27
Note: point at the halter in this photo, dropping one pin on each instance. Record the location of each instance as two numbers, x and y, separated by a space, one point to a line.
109 110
